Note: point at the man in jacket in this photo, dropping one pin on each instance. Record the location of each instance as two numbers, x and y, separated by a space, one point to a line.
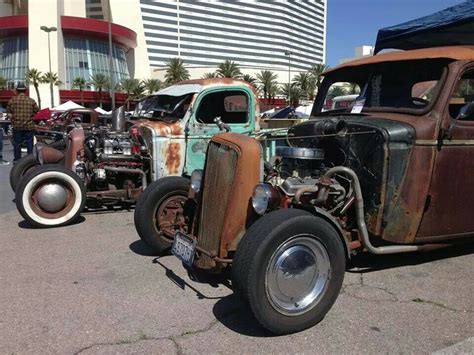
21 109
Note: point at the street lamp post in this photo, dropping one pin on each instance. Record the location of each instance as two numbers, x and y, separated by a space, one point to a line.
289 53
48 30
111 57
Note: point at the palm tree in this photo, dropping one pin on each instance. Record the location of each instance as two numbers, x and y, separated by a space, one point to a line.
337 91
229 69
317 71
273 90
249 79
210 75
51 79
296 93
100 82
302 80
311 87
80 83
34 77
267 79
354 89
152 85
134 89
3 83
175 71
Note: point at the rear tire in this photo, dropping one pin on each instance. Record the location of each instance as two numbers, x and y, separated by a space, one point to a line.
289 267
21 168
50 196
162 199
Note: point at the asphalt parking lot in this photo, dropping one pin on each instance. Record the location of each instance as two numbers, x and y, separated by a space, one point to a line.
94 287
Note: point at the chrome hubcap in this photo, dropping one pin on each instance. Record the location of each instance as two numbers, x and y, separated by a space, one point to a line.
51 197
297 275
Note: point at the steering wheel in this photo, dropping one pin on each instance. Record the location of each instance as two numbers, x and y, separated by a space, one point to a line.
420 101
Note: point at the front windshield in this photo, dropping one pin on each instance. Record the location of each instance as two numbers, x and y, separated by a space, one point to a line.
389 86
163 107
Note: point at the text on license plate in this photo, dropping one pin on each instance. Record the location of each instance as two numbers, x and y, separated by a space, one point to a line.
184 248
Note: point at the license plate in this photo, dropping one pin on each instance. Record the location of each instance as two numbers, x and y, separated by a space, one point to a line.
184 248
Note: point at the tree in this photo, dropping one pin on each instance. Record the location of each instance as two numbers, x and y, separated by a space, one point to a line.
152 85
34 77
317 71
3 83
249 79
296 93
80 83
354 89
210 75
229 69
134 89
267 79
175 71
335 91
100 82
53 80
302 80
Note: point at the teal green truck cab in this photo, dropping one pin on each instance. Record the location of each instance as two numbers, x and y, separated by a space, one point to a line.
179 121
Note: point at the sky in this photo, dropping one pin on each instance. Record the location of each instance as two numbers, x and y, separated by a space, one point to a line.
353 23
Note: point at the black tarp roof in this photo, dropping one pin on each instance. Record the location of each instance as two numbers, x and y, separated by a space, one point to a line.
452 26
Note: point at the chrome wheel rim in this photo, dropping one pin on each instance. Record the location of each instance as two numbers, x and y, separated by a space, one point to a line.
297 275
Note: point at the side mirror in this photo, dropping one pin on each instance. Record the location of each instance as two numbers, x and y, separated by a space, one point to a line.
466 111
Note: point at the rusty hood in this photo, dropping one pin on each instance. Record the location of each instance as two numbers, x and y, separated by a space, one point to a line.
163 128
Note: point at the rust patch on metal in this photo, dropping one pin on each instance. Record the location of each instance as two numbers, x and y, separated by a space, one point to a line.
164 129
173 158
406 209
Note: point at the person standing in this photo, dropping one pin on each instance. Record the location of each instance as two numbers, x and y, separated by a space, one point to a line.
2 161
21 109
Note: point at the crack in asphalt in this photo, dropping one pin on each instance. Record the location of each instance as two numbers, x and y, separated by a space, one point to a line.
394 296
173 338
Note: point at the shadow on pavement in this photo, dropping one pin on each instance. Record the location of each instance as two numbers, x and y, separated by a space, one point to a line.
25 225
212 280
366 262
231 312
141 248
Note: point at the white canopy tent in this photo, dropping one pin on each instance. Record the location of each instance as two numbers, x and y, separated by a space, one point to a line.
67 106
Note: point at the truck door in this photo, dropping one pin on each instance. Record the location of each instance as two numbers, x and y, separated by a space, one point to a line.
450 202
236 108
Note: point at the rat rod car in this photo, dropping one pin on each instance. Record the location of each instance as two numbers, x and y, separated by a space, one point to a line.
106 167
53 131
389 175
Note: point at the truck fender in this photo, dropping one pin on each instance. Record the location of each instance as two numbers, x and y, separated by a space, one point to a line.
329 218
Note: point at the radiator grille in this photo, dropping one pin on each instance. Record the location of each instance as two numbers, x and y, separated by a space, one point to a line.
219 176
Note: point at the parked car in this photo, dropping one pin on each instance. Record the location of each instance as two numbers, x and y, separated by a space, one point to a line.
106 168
388 175
169 138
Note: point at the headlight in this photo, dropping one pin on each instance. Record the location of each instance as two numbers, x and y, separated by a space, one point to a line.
264 198
196 178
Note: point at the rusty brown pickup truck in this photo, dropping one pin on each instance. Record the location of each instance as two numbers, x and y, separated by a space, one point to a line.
391 174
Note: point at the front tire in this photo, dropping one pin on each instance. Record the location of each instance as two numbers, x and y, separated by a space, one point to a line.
50 196
159 209
289 267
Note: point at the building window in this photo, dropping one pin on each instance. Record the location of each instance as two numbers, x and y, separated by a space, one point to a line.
86 57
14 59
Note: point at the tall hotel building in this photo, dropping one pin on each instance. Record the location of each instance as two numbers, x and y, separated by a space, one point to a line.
258 35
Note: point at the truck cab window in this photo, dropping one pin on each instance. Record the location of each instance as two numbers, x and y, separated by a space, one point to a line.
230 106
341 95
463 94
